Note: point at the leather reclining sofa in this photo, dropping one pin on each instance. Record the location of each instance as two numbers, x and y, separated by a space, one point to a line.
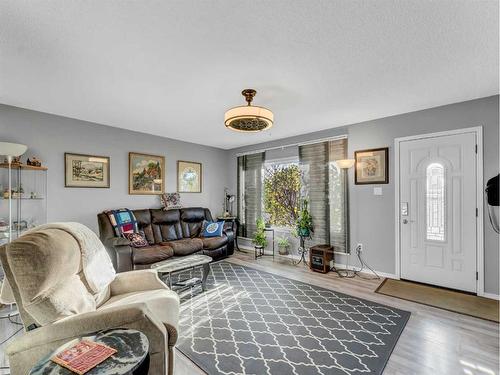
170 233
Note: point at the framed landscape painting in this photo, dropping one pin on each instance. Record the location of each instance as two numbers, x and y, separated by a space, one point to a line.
189 175
86 171
372 166
146 174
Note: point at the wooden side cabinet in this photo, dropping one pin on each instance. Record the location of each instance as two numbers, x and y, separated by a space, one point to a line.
320 257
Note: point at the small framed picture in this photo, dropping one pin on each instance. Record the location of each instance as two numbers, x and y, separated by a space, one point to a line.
146 174
189 176
372 166
86 171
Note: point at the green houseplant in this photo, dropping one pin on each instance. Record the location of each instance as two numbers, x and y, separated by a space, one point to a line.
259 238
283 245
304 222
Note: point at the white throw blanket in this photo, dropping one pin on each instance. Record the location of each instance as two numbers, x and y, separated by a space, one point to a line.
97 267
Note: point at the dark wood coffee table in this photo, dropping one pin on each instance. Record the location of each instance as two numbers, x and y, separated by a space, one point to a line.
132 356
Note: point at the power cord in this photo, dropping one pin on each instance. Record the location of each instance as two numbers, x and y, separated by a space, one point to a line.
347 273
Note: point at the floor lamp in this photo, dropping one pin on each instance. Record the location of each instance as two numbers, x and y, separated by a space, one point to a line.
9 150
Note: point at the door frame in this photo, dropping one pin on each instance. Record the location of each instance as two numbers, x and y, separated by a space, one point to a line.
478 131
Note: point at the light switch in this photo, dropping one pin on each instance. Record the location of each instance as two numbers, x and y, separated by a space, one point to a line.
377 191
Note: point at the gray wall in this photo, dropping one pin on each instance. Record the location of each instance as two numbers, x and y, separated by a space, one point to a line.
49 137
372 217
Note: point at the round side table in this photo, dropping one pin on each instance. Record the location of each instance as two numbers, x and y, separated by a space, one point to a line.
132 356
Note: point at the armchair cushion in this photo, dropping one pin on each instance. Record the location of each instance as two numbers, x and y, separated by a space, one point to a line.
47 278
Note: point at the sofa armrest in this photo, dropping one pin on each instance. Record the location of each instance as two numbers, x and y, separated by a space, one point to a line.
117 241
136 281
120 253
230 243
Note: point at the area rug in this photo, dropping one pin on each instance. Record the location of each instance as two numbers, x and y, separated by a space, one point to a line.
254 322
463 303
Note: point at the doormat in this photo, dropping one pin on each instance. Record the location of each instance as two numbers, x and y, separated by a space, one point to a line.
462 303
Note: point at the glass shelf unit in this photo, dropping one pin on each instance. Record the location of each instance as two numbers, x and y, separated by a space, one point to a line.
27 199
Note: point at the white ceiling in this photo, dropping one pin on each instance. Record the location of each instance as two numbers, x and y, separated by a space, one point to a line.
172 68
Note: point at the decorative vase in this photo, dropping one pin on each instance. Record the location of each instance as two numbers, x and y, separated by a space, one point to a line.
304 232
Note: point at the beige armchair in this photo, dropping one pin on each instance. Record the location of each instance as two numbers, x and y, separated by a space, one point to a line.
46 271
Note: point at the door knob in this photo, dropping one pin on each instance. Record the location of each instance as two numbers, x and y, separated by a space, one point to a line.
405 221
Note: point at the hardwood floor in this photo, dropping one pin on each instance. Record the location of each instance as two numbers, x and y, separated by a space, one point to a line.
434 341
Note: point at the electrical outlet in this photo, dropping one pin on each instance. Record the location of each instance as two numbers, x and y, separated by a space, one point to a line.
359 247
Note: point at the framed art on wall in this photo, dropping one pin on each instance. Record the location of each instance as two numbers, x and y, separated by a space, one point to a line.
189 177
372 166
146 174
86 171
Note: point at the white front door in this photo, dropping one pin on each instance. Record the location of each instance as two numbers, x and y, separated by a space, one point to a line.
437 210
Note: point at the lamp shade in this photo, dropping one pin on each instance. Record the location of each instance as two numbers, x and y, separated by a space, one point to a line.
248 118
345 163
12 149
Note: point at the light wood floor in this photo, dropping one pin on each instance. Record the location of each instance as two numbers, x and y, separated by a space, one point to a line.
434 341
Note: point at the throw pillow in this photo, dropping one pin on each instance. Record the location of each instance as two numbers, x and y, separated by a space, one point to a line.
212 229
171 201
136 239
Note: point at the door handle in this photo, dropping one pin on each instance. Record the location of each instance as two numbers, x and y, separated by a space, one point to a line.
405 221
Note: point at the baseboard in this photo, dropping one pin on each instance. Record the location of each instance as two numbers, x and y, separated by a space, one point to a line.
381 274
490 296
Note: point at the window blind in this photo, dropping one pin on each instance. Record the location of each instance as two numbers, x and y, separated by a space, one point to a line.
338 197
249 192
313 161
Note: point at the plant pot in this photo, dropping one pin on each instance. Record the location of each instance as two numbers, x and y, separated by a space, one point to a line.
283 250
304 232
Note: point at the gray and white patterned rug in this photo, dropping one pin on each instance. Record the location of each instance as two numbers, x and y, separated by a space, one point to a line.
254 322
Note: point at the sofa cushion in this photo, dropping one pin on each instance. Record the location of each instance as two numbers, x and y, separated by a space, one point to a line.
192 221
166 225
211 243
151 254
143 218
185 246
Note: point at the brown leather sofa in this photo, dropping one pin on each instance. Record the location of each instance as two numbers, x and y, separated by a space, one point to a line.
171 233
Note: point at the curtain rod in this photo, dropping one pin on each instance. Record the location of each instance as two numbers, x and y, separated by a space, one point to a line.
343 136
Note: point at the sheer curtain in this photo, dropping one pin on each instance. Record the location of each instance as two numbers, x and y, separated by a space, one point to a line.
249 192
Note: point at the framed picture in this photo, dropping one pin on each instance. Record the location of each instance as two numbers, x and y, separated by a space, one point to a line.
372 166
86 171
189 176
146 174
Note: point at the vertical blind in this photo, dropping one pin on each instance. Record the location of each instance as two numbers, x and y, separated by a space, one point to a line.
249 192
313 161
338 197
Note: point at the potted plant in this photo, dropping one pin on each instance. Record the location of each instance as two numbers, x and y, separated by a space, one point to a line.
283 245
259 238
304 222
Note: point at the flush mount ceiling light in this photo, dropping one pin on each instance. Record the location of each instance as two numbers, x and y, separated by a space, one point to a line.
248 118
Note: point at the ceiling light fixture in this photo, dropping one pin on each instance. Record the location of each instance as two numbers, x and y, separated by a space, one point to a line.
248 118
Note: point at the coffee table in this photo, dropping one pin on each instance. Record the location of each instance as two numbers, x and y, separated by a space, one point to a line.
175 265
132 356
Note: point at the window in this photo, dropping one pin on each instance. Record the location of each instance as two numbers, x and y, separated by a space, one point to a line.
282 193
435 202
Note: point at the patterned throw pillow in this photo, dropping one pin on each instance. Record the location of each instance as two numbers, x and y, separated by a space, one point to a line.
136 239
212 229
171 200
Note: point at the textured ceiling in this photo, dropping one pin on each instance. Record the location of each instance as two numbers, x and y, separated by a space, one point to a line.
172 68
